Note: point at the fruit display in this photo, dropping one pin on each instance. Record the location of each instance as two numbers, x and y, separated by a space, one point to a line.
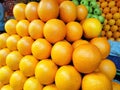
111 12
48 46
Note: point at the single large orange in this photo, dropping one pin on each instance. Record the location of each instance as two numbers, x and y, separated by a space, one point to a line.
48 9
54 30
86 58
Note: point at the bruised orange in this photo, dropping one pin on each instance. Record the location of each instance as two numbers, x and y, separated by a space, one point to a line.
48 9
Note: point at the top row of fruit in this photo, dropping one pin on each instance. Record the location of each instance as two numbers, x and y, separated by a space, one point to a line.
75 10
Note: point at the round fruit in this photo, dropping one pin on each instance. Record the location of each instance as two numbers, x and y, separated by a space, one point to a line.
68 11
11 42
17 80
5 74
27 65
35 29
96 81
61 53
48 9
108 68
41 48
45 71
19 11
31 11
22 28
116 85
91 28
13 59
86 58
32 84
6 87
67 78
50 87
10 26
54 30
74 31
3 38
103 45
24 45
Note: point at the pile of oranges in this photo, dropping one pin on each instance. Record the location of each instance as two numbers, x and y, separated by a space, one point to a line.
43 49
111 12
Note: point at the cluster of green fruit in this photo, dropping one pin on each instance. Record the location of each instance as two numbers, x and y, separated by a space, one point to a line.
93 9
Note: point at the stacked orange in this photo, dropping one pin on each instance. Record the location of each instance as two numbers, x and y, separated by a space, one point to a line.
43 49
111 12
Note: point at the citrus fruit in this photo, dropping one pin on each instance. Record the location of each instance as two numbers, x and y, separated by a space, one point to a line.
61 53
35 29
67 78
22 28
11 42
54 30
10 26
108 67
3 54
17 80
13 59
24 45
103 45
3 38
27 65
5 74
48 9
50 87
91 28
31 11
116 85
1 85
32 84
74 31
68 11
45 71
6 87
59 1
82 12
41 48
86 58
19 11
96 81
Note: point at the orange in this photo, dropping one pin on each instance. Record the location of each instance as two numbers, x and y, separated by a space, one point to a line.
106 10
48 9
13 59
116 85
6 87
108 67
3 54
32 84
116 16
86 58
111 22
17 80
45 71
114 9
111 4
109 34
104 4
5 74
76 43
108 16
31 11
41 48
74 31
67 78
116 34
107 27
103 33
91 28
96 81
68 11
35 29
3 38
103 45
27 65
118 22
61 53
1 85
22 28
24 45
54 30
19 11
11 42
114 28
82 12
10 26
50 87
